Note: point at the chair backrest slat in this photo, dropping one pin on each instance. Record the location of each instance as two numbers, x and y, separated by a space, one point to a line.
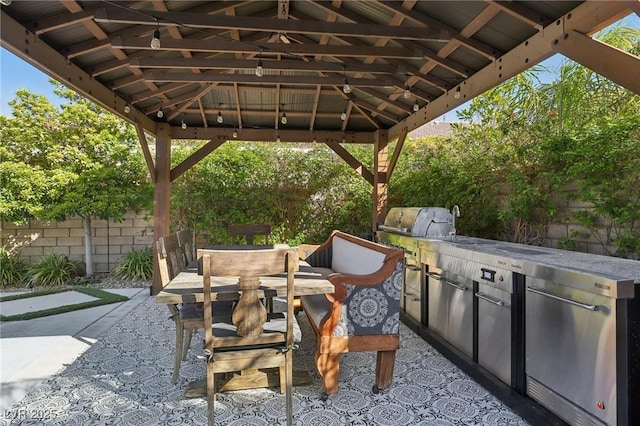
170 256
186 241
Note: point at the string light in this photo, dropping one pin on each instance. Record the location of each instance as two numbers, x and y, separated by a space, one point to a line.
416 107
345 83
407 92
284 120
127 109
235 134
343 116
457 93
5 2
219 119
160 113
183 125
155 40
259 69
346 88
277 138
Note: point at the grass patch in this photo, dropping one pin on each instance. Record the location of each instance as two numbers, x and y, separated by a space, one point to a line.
104 298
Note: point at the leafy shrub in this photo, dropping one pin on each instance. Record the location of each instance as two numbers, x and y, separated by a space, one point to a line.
12 268
54 270
137 265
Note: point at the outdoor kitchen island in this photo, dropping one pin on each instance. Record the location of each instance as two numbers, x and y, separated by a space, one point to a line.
539 327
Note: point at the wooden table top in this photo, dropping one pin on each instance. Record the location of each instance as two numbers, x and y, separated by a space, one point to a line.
186 287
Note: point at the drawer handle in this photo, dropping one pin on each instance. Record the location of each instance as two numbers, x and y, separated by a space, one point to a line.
412 297
541 292
413 268
434 276
481 295
456 285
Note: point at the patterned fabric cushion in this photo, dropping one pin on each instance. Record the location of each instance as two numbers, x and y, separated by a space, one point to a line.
372 309
351 258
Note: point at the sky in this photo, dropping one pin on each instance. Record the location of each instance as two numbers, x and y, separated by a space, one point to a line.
16 74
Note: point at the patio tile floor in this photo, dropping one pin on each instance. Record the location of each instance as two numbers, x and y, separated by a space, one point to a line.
124 378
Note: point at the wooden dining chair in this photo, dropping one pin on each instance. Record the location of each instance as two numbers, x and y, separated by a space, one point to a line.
251 346
170 262
249 232
186 241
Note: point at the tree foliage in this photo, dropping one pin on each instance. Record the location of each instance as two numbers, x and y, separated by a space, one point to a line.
526 143
78 160
303 191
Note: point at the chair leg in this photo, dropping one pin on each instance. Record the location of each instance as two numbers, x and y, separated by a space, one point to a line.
187 343
384 368
282 373
211 394
288 386
329 368
178 355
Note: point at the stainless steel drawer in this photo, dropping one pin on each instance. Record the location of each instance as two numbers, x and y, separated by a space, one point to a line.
413 292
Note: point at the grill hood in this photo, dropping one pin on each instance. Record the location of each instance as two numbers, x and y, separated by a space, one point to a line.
418 221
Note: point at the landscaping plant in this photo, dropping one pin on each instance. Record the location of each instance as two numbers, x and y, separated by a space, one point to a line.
54 270
12 268
136 265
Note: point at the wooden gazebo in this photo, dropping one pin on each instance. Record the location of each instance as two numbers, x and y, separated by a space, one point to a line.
333 72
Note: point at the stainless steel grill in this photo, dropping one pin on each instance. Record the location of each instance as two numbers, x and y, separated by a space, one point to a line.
418 221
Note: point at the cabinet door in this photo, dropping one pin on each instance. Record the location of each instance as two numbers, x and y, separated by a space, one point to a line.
439 296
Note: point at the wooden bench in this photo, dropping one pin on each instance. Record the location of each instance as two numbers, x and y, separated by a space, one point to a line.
363 314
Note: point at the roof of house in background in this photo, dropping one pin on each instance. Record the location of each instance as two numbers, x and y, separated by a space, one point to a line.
434 128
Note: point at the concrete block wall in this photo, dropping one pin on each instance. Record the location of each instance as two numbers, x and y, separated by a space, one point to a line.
111 240
565 226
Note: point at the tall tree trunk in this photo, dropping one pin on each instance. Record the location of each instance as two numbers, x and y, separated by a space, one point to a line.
87 246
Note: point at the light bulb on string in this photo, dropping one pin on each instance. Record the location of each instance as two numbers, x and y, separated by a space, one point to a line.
277 138
155 40
346 88
259 69
235 134
219 119
407 93
127 109
183 125
416 107
284 120
343 116
457 93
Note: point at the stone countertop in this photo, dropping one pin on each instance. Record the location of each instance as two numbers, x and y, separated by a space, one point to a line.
557 265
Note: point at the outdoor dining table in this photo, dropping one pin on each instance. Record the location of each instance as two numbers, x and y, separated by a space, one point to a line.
187 287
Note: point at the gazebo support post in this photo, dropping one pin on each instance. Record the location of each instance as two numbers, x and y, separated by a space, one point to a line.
162 194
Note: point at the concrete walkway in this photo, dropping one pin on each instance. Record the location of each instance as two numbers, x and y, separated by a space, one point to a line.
31 351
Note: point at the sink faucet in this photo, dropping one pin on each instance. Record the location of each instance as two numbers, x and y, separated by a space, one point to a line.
455 212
